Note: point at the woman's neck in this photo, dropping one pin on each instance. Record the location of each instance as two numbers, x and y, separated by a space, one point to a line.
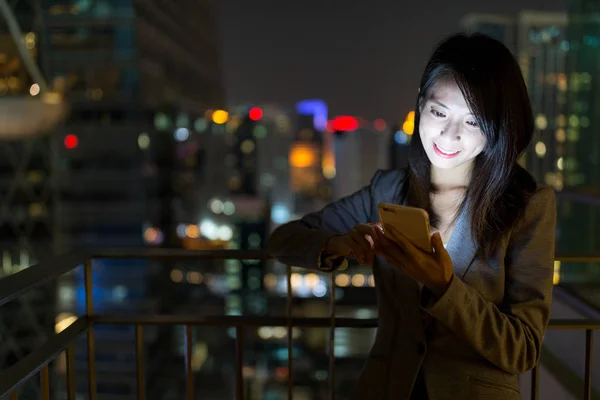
455 178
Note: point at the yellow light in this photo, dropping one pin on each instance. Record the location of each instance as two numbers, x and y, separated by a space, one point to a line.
540 149
150 235
296 280
411 116
176 275
192 231
556 277
342 280
220 117
194 277
311 280
63 321
358 280
371 280
302 157
329 172
34 90
408 127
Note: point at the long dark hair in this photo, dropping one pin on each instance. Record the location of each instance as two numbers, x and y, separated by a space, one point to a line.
492 83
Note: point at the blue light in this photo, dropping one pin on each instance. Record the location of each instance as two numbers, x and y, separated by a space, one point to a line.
317 108
401 137
280 214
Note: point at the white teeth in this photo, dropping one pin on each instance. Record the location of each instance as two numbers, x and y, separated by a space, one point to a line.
446 151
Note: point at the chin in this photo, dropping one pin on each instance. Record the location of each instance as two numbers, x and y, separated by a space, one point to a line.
446 164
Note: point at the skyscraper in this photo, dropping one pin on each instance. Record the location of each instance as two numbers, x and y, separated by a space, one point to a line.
538 41
582 162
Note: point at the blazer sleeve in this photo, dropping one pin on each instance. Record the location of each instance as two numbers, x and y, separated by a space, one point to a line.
301 242
510 336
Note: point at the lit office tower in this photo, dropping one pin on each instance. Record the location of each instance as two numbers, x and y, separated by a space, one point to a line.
538 40
582 117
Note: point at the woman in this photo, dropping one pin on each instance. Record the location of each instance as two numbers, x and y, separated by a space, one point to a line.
464 321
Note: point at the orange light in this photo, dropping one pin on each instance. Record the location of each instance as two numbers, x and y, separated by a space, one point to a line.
302 157
411 116
408 127
192 231
219 117
151 235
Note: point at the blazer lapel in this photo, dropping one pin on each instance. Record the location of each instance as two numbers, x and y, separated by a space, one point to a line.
462 247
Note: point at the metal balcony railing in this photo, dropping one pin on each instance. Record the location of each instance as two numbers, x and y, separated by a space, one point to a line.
15 285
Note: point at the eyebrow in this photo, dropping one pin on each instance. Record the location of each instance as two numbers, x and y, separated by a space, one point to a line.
439 103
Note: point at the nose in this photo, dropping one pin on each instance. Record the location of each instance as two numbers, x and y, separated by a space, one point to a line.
451 131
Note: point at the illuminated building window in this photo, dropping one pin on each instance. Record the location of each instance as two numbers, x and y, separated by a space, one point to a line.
540 149
541 122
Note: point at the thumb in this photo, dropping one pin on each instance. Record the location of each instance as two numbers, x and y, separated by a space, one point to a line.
437 242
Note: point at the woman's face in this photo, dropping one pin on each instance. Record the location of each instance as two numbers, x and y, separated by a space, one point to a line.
449 131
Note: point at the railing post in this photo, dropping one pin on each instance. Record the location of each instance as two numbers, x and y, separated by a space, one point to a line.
239 362
290 330
587 382
71 393
139 353
189 374
331 375
535 382
45 382
89 310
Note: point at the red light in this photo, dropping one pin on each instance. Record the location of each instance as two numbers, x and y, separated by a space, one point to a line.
255 114
379 124
71 141
341 124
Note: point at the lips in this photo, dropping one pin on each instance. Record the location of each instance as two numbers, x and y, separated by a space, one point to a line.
444 152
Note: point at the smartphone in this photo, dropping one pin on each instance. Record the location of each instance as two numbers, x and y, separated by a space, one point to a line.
412 222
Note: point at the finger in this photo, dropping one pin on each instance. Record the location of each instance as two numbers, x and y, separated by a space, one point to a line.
360 246
436 241
367 230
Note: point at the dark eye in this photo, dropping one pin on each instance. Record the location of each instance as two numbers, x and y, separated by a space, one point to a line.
437 113
474 124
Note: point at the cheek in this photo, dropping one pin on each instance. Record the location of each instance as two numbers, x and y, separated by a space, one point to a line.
427 129
479 144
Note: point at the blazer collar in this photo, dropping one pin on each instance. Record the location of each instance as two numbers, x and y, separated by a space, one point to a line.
462 246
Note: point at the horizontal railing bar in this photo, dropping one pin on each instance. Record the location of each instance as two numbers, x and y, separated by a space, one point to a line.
232 321
308 322
29 365
580 197
574 324
12 286
578 259
181 254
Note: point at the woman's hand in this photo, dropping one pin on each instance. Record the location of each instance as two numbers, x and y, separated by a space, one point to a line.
361 242
433 270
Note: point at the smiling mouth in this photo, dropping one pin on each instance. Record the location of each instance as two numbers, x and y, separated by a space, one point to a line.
445 153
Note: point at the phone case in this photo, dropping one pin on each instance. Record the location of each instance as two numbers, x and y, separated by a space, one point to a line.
410 221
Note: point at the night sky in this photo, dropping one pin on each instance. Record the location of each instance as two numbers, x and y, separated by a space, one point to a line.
361 59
